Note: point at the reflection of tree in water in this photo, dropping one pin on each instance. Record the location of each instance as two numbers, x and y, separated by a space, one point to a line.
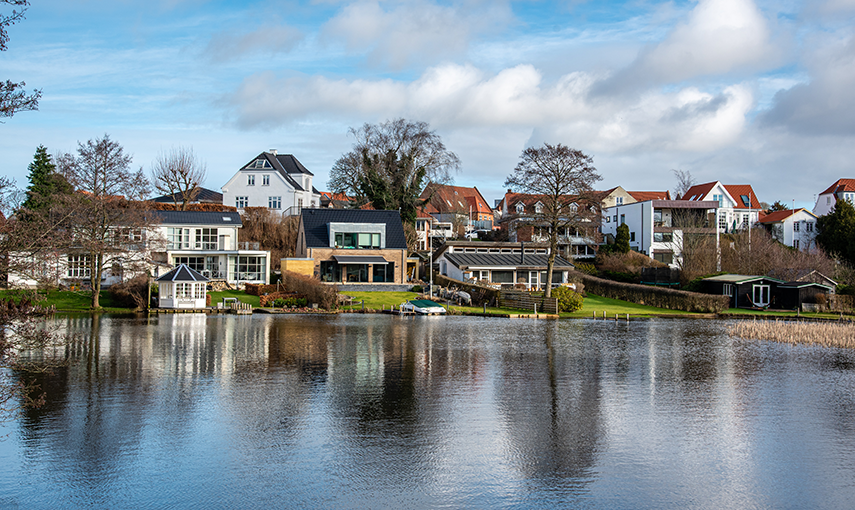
549 395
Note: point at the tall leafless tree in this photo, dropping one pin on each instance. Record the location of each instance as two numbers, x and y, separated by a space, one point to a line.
108 221
178 173
563 178
684 182
411 141
13 97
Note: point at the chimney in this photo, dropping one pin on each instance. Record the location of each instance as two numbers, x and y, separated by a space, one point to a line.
275 152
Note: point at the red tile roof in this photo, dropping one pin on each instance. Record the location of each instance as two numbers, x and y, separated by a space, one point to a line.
776 216
737 190
445 198
698 191
840 185
643 196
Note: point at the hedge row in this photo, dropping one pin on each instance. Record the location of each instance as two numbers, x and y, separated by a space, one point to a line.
326 296
259 289
659 297
268 299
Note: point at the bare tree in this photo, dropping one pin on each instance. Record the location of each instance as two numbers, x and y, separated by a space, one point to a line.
107 221
684 182
412 141
13 97
563 179
178 173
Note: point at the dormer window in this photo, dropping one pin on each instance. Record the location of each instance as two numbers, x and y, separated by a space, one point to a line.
538 208
574 207
520 208
259 163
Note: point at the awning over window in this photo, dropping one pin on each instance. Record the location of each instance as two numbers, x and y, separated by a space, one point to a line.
360 259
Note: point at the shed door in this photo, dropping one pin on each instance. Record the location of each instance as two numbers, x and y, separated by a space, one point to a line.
761 295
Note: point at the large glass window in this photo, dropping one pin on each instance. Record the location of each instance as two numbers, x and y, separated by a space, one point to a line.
663 237
248 268
502 277
382 273
78 266
194 263
206 239
357 240
178 238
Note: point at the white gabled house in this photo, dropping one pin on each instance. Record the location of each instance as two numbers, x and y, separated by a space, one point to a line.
276 181
796 229
842 189
738 205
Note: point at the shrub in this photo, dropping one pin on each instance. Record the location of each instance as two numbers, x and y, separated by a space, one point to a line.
417 288
326 296
586 267
622 239
619 276
132 293
568 299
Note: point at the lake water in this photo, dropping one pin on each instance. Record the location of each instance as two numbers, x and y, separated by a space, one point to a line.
374 411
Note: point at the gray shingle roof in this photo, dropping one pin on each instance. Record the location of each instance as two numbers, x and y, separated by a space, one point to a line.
285 164
204 195
315 223
197 218
504 260
182 273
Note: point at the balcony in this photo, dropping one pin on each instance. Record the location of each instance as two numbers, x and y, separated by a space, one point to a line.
249 246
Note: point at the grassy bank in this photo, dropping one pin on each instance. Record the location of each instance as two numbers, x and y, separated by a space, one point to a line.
243 297
68 301
598 304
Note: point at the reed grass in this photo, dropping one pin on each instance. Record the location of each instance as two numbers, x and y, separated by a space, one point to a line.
826 334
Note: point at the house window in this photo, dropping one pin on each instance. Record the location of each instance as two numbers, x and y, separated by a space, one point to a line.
722 221
250 180
663 237
827 200
623 219
206 239
194 263
615 218
299 204
78 266
357 240
265 180
274 202
260 163
632 236
502 277
760 295
247 268
178 238
608 219
745 201
796 226
241 202
808 226
520 208
745 220
796 244
727 289
618 200
719 199
666 257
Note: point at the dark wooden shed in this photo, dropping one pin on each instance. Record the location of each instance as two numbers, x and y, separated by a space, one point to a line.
745 291
792 295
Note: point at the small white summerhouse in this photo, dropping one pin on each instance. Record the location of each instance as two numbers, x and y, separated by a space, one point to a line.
182 288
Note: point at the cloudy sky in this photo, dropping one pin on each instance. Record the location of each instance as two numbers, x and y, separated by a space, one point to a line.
742 91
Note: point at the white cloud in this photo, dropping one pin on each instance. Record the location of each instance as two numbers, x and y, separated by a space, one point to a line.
399 33
268 38
719 37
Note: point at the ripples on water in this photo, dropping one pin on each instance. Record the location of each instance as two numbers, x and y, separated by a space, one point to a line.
187 411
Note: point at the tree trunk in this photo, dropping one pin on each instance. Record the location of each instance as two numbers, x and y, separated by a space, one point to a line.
550 260
95 279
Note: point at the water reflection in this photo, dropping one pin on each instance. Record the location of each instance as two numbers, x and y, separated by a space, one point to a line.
366 411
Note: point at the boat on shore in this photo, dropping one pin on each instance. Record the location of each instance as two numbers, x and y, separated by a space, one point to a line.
423 307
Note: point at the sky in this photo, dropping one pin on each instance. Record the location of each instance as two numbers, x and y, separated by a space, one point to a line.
745 92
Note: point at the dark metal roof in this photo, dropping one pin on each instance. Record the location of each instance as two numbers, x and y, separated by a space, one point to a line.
463 260
284 164
315 223
204 195
197 217
183 273
292 165
359 259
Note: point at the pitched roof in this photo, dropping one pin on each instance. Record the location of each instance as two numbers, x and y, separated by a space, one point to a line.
446 198
182 273
203 195
283 164
197 217
840 185
643 196
698 191
463 260
315 225
739 190
776 216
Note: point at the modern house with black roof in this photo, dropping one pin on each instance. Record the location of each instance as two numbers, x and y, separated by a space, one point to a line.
276 181
207 242
501 264
354 245
199 195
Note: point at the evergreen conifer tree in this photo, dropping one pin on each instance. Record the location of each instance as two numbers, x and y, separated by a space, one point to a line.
45 182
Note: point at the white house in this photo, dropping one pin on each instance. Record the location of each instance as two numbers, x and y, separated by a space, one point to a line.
842 189
796 229
657 227
500 263
207 242
276 181
738 205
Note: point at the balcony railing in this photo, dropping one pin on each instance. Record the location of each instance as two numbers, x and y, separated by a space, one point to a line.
249 246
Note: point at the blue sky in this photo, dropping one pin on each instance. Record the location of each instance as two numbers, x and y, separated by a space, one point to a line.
742 91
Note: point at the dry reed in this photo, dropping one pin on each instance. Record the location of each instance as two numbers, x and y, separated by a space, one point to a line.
826 334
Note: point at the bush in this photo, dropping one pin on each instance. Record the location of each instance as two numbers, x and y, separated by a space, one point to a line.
586 267
417 288
290 302
132 293
568 299
620 276
326 296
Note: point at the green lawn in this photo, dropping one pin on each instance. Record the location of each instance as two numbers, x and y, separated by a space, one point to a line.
600 304
69 301
378 300
243 297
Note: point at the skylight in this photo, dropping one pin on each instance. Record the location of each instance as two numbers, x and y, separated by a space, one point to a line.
745 201
226 218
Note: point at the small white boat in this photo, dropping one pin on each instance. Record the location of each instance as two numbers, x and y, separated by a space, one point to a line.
423 307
